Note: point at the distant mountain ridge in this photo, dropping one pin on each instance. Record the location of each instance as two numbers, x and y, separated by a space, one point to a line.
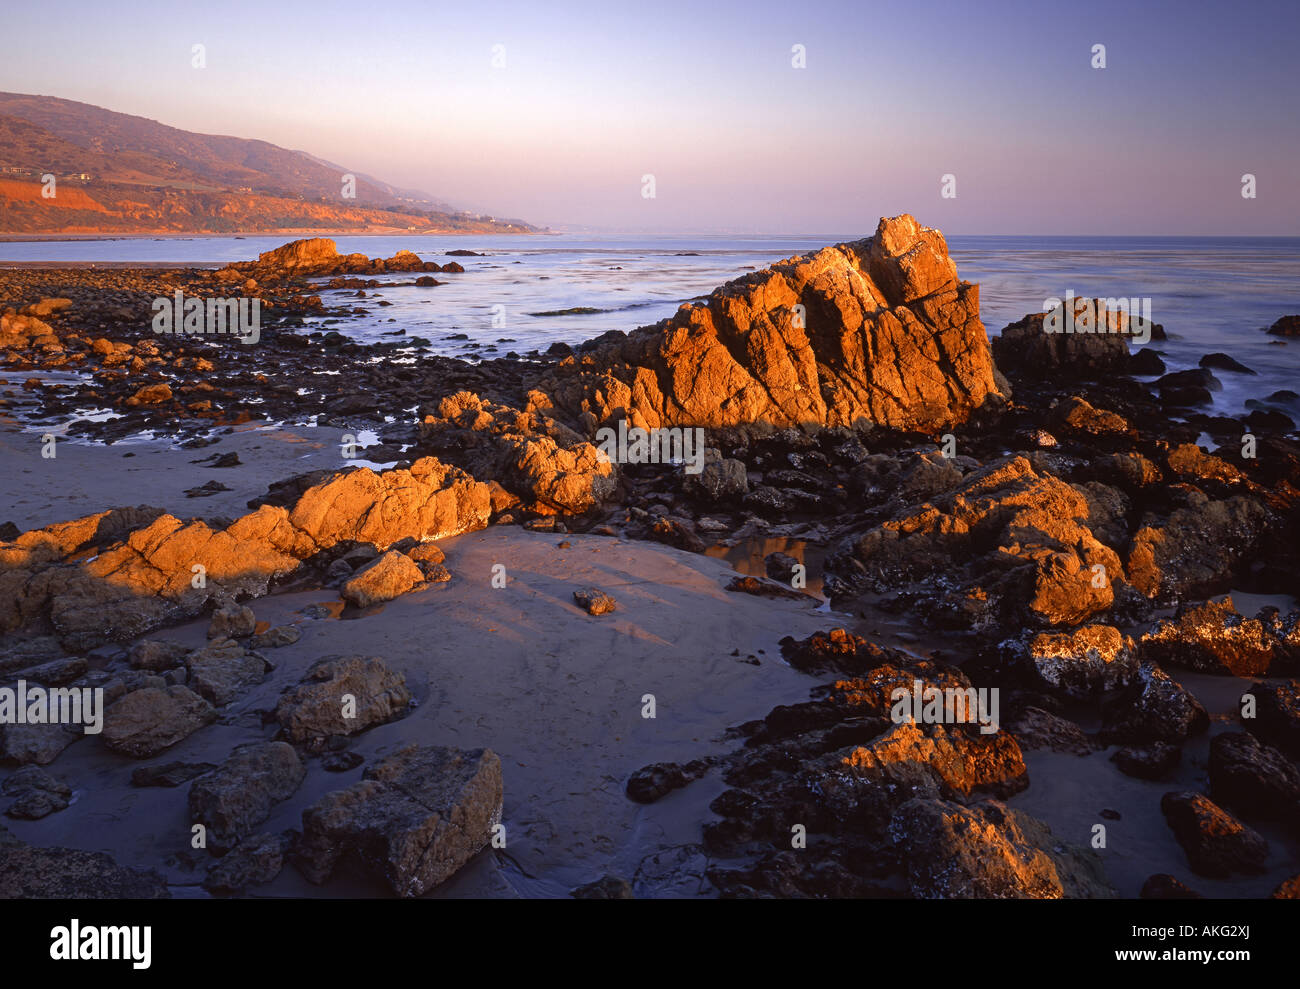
121 173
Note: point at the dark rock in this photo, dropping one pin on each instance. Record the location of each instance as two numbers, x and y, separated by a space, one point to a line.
341 762
169 774
1287 326
1156 709
37 794
1255 780
255 860
604 888
1216 843
1224 363
1277 714
1146 362
232 621
29 873
648 784
236 797
1149 762
1213 638
1163 886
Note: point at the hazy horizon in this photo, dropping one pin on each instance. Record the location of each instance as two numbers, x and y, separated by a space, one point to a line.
589 100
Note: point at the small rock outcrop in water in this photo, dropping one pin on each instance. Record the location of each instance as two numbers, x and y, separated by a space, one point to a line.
319 256
887 334
1025 345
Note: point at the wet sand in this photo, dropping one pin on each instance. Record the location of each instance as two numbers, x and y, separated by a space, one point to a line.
557 693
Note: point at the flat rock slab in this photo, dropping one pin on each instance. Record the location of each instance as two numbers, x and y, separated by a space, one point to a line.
65 873
223 671
413 820
39 744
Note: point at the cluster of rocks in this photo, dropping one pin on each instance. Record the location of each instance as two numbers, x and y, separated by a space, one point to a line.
319 257
141 572
413 819
1054 515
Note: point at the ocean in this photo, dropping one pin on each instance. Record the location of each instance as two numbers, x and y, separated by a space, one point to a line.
1212 294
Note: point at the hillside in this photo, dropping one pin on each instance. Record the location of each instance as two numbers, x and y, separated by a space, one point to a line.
118 173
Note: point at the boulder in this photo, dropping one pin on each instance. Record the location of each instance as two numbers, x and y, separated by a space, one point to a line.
719 481
1163 886
388 577
1155 708
274 638
232 800
39 744
1216 843
1083 663
542 462
1034 728
156 655
36 794
232 621
1148 762
1255 780
319 706
308 253
1213 638
414 819
143 574
989 851
1011 543
1197 550
151 395
1027 346
146 722
1277 714
223 670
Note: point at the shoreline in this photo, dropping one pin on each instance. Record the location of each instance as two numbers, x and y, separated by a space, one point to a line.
290 232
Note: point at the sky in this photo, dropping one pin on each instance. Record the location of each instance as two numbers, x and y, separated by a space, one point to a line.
704 96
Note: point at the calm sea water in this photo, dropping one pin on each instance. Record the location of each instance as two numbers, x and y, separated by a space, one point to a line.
1211 294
